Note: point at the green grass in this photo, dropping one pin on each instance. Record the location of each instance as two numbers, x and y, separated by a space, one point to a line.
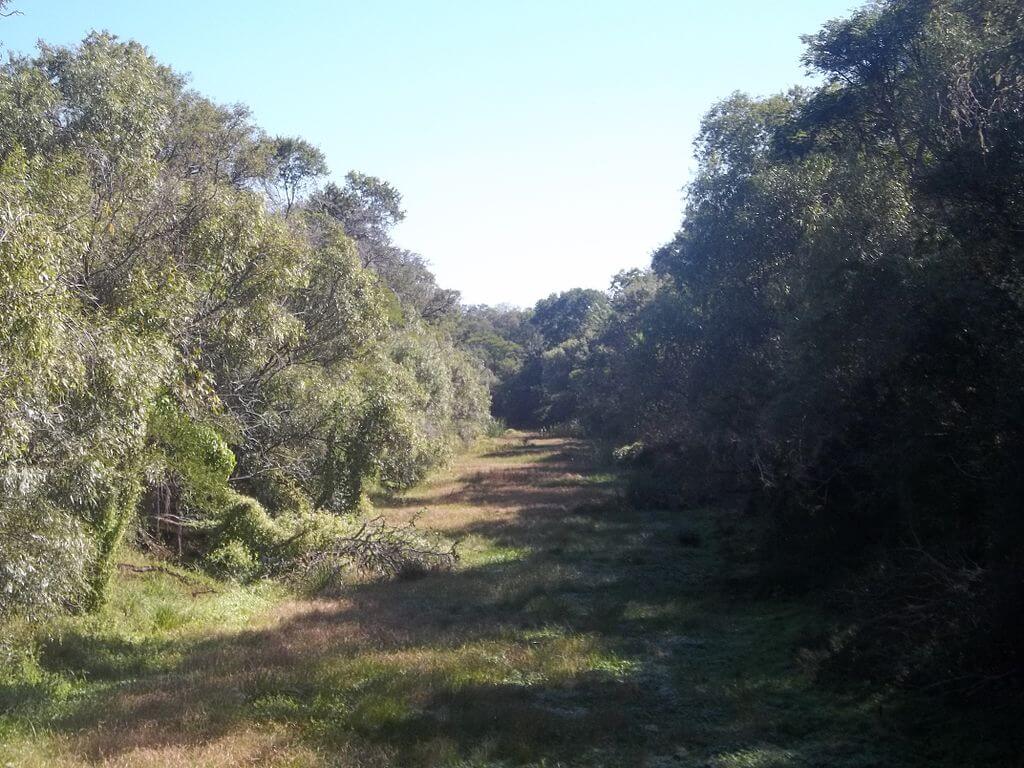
146 628
576 632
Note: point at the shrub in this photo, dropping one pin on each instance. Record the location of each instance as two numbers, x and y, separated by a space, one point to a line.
44 559
234 560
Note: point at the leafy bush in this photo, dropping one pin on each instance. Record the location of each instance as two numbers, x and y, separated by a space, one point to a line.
234 560
179 325
44 556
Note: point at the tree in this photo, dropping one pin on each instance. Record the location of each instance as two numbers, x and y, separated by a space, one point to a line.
173 345
297 164
573 314
368 209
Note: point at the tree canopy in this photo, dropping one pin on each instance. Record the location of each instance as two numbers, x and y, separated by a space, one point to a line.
186 336
834 337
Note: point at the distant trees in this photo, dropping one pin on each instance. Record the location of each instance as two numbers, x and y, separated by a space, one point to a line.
180 351
835 333
575 314
532 353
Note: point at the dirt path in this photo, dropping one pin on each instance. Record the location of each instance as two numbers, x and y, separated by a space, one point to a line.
575 632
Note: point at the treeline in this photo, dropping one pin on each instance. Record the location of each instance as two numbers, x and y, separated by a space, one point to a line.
199 344
834 342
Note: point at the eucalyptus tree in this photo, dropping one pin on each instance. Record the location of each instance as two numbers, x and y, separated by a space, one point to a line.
161 313
368 209
296 165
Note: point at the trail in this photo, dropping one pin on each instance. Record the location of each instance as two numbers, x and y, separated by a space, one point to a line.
576 631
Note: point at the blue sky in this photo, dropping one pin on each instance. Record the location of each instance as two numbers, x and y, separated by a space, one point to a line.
539 145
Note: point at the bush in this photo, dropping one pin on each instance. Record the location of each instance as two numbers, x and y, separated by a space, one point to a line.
496 428
44 559
233 560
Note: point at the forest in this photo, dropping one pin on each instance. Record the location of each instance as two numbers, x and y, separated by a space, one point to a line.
217 366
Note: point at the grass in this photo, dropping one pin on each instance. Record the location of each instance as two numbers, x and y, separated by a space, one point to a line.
576 631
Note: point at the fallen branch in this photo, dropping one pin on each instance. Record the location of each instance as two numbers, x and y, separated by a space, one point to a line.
384 551
191 581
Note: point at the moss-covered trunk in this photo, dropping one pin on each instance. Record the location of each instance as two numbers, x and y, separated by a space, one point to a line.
110 525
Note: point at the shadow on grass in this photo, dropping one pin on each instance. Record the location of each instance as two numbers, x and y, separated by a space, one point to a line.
99 657
584 634
519 451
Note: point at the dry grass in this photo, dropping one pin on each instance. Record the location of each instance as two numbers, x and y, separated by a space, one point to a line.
575 632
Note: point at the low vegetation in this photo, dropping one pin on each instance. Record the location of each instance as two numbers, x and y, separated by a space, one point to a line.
575 630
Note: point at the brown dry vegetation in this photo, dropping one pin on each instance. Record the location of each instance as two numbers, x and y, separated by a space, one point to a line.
575 632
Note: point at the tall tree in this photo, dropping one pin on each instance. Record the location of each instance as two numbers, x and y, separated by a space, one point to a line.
297 164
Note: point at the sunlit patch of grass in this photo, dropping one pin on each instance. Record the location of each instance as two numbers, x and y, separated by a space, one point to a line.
574 480
147 627
158 604
144 627
541 657
757 757
425 695
475 551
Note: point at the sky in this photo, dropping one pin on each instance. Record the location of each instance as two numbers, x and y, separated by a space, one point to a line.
539 145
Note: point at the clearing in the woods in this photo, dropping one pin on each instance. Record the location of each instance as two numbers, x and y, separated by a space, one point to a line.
576 631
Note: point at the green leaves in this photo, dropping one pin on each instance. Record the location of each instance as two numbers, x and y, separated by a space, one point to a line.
296 164
166 334
834 333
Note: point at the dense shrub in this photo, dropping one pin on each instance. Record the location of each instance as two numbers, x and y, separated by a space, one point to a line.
183 331
833 340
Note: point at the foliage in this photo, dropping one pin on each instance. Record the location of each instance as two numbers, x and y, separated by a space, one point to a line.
533 353
834 338
44 555
185 333
295 164
368 208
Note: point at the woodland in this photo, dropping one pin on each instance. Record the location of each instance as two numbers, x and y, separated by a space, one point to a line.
217 368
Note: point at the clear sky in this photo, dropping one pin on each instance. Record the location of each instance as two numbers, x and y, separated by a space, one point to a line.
539 144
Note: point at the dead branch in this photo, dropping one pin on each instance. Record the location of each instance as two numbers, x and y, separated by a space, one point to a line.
191 581
382 550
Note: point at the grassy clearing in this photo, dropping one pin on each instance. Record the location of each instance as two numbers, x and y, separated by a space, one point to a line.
575 632
63 676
